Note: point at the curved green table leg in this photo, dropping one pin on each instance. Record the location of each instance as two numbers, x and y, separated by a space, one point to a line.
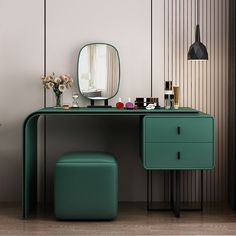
29 197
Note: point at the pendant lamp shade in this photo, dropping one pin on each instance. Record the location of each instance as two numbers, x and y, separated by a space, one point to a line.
197 50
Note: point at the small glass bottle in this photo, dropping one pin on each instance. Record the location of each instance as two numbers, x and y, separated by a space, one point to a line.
119 104
167 104
172 101
129 104
168 95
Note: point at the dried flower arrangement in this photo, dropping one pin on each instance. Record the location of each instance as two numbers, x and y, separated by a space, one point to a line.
58 84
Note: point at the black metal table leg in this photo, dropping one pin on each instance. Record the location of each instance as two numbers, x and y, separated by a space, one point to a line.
201 190
151 187
171 190
147 190
175 195
176 187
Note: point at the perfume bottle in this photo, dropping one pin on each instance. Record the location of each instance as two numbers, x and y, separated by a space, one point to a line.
176 97
168 95
119 104
129 104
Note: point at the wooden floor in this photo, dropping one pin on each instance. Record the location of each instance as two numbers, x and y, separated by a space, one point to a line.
132 220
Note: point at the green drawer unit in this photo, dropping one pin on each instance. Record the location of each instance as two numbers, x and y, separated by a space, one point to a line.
178 142
179 155
175 129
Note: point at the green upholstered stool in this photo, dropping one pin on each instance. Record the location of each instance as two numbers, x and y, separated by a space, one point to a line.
86 186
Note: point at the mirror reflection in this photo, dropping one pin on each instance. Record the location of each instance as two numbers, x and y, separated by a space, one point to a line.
98 71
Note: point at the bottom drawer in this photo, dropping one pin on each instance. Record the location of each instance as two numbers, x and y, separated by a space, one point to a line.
178 156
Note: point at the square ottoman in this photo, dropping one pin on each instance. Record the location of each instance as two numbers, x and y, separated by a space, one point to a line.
86 186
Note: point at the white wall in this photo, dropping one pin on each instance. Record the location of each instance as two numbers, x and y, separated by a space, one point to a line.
124 24
21 63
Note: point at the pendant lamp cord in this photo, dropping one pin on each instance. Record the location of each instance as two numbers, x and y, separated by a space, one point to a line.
197 10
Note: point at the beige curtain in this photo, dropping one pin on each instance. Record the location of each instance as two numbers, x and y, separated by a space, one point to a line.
92 58
112 71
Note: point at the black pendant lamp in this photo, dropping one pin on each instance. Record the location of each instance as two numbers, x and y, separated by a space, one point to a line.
197 50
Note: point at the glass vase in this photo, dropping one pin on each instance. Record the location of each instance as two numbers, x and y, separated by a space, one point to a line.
58 100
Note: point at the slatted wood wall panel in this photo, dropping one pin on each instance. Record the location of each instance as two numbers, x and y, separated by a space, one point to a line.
203 84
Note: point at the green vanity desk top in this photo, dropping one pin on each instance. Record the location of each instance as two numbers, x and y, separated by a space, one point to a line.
107 111
113 109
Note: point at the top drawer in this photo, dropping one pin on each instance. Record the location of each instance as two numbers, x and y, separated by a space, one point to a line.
178 129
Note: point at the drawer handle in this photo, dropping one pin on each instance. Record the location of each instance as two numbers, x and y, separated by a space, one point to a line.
178 155
178 130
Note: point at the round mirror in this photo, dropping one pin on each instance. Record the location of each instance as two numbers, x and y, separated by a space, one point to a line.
98 71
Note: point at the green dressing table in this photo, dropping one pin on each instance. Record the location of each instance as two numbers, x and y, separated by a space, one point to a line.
173 140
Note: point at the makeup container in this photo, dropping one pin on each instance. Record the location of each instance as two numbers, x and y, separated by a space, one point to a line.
66 107
144 102
168 95
129 104
141 102
154 101
176 97
119 104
